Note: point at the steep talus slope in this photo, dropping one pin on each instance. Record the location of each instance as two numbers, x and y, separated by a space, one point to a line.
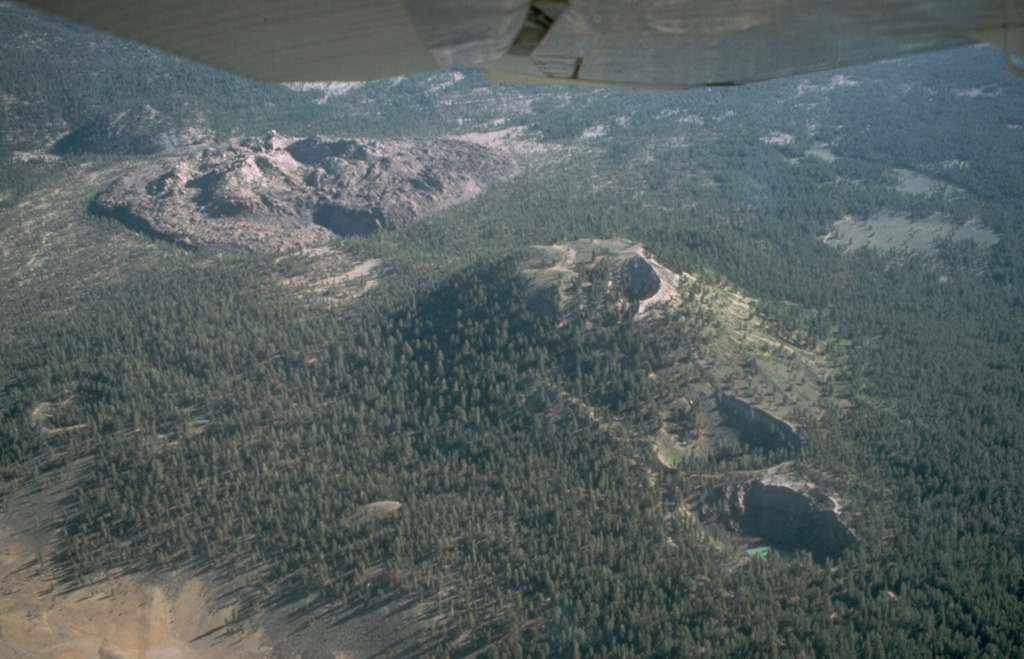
271 194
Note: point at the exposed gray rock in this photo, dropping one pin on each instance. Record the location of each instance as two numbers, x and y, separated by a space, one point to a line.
274 193
782 515
639 278
757 427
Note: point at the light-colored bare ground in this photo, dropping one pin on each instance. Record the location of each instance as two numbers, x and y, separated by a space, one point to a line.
895 232
40 416
670 285
363 269
119 617
911 182
822 152
510 139
327 89
382 507
333 277
173 616
777 137
568 258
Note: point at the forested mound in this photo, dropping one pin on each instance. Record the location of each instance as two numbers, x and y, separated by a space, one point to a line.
423 455
136 132
270 194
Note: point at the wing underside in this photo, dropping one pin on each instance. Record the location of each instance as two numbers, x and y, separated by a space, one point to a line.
646 43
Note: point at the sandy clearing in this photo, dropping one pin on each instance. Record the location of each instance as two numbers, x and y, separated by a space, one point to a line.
822 152
669 289
508 139
326 89
333 277
363 269
494 138
569 257
116 617
778 137
382 507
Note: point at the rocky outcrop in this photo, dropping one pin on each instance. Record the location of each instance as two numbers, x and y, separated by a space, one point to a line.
780 514
276 193
639 279
757 427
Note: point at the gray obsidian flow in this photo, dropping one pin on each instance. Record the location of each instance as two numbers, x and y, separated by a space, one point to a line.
275 193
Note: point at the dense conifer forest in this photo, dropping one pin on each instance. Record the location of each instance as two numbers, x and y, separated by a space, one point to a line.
462 440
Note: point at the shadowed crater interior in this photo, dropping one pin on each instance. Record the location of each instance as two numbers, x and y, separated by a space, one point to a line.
756 428
781 515
639 278
347 221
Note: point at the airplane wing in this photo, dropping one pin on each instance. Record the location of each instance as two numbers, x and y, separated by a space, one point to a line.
643 43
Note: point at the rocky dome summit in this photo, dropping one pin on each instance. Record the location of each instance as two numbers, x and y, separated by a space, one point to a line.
276 193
